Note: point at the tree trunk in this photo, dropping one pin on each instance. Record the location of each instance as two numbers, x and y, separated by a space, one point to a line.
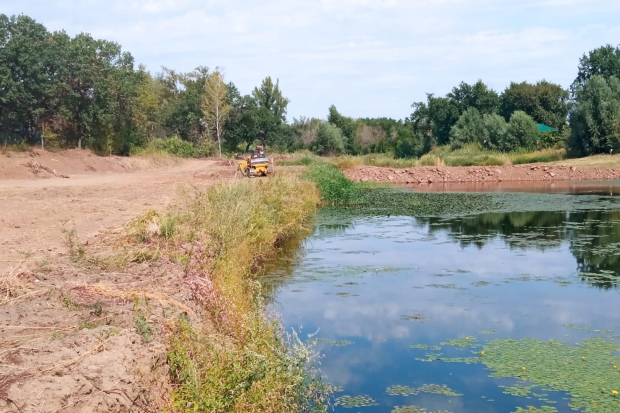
217 129
5 129
80 143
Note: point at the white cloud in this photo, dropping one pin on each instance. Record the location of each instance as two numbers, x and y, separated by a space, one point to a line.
370 58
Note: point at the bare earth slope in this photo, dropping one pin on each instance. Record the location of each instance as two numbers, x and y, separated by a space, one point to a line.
506 173
75 337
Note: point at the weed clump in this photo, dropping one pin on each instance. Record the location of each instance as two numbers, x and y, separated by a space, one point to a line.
335 188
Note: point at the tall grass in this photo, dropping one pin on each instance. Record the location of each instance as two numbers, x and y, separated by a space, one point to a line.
544 155
469 155
375 159
237 360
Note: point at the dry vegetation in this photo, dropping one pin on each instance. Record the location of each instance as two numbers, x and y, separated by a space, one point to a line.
163 313
469 155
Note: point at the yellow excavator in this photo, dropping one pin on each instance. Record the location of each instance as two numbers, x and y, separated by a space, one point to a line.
257 164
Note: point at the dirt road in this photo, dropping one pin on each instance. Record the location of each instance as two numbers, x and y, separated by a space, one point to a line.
36 210
69 334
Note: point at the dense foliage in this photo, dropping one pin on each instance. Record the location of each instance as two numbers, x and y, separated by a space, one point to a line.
62 91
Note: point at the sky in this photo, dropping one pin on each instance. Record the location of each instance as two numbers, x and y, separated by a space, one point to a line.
370 58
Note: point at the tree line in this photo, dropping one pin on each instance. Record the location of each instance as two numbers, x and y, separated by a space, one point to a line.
62 91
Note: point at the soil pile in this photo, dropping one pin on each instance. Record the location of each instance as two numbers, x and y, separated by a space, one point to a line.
505 173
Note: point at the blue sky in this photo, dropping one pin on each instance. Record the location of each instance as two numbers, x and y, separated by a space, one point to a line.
370 58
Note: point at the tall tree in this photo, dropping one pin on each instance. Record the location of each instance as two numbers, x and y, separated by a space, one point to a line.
603 61
181 100
241 124
215 105
346 126
545 102
23 77
595 117
469 128
271 112
438 115
478 96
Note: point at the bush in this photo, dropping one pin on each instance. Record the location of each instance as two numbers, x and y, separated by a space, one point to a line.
329 140
205 149
431 160
172 146
495 129
522 133
334 187
469 128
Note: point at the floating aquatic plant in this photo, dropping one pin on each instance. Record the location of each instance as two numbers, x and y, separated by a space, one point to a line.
442 389
461 342
530 409
584 371
414 409
350 402
518 390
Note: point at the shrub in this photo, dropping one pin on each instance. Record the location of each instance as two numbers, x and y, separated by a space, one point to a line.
334 187
522 133
329 140
173 146
469 128
495 129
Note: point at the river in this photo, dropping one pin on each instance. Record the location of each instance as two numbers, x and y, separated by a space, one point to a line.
404 308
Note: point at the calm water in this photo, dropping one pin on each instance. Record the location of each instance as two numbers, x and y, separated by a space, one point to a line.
372 287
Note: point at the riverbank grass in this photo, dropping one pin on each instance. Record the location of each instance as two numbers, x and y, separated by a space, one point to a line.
236 359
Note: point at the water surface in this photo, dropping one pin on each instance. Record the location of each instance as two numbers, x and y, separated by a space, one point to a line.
374 286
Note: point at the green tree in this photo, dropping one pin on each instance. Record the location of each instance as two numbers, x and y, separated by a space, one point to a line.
437 116
522 133
216 106
241 125
469 128
478 96
346 125
329 140
305 131
545 102
180 96
495 130
434 118
23 75
271 111
595 117
603 61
